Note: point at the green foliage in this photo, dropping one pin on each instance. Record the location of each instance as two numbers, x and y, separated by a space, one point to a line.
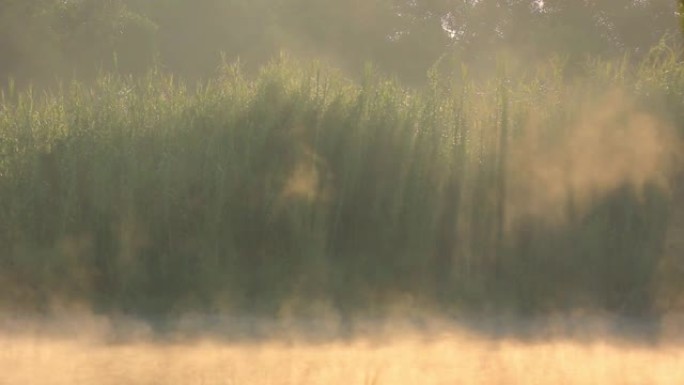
143 195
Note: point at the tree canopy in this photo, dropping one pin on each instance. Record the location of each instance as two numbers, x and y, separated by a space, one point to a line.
41 39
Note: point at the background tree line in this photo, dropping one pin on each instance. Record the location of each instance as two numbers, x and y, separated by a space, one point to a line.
41 40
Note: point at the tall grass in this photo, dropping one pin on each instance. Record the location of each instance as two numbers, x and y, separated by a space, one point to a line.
299 191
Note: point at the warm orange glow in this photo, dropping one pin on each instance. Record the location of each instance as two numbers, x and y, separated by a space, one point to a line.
407 358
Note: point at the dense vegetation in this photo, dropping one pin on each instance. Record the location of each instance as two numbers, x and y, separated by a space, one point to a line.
299 192
535 169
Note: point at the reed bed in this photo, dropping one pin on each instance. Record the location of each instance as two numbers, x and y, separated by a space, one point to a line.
301 192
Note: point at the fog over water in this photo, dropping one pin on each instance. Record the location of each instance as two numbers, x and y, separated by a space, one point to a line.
92 350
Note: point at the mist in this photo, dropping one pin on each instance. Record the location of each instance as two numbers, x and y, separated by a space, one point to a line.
90 350
612 144
380 191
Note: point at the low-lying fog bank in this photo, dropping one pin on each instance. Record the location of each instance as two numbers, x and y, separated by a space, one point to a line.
333 327
98 350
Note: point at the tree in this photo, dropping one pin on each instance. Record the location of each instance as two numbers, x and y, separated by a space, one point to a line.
192 34
104 34
618 25
26 42
480 30
44 39
41 39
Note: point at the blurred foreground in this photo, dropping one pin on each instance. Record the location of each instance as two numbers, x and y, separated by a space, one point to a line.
393 355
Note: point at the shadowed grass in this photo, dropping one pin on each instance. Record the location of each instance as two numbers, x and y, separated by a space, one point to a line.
299 192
